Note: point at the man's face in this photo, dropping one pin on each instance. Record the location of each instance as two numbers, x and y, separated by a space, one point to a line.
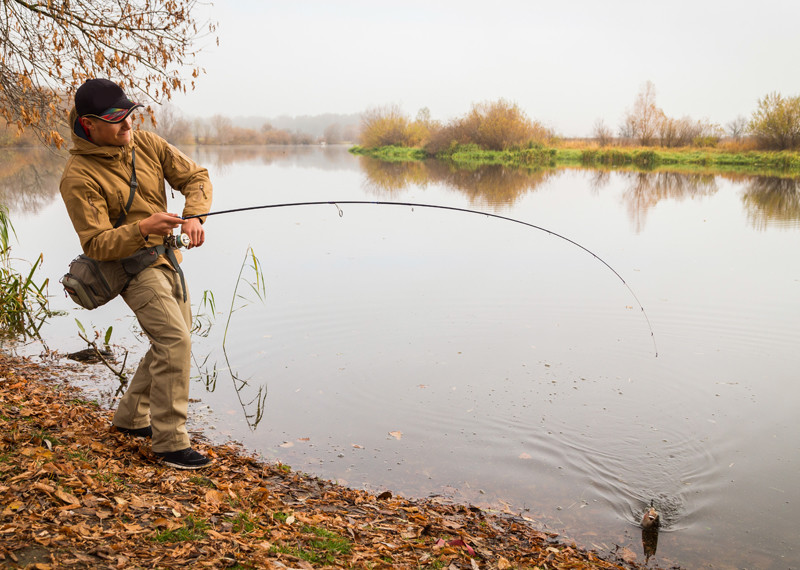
109 134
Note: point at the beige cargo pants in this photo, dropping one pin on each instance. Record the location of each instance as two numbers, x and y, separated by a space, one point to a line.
158 394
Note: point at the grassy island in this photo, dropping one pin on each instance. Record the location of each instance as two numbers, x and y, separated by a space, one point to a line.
784 163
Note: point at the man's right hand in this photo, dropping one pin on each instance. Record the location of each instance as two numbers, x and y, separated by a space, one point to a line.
160 224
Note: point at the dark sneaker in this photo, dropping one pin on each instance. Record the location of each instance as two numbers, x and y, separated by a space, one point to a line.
137 432
184 459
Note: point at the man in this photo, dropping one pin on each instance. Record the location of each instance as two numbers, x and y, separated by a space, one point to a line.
96 188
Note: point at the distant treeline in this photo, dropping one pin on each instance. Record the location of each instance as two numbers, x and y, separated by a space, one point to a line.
495 126
501 126
219 130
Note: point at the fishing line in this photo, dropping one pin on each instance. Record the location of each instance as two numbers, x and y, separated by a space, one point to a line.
453 209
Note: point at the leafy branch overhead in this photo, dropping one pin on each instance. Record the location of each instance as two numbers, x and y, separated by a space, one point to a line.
50 48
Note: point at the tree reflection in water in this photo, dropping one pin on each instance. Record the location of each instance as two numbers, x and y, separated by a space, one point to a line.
646 189
768 198
29 178
486 184
772 199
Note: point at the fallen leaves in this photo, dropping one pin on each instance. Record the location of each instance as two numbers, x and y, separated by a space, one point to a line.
67 497
96 498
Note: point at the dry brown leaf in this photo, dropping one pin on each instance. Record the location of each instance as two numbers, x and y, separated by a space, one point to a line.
43 487
67 497
214 497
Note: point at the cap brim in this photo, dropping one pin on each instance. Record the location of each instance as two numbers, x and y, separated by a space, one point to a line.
115 114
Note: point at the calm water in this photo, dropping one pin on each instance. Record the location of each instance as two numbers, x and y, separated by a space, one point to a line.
433 352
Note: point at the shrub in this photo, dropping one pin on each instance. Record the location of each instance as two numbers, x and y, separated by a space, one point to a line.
645 158
388 126
776 122
603 134
708 141
498 125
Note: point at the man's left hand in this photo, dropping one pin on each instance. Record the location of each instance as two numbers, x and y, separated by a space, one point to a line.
194 229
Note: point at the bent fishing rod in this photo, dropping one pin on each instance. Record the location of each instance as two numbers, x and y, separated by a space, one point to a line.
337 203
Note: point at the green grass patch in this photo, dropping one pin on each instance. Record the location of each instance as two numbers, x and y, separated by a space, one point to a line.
472 156
243 523
755 162
83 402
391 153
78 455
533 156
201 481
318 546
192 529
110 479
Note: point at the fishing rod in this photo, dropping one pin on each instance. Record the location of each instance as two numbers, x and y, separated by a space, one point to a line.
337 203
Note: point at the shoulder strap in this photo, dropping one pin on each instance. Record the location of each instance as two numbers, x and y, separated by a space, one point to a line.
134 186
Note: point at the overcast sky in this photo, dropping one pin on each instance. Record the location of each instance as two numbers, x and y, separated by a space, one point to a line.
565 63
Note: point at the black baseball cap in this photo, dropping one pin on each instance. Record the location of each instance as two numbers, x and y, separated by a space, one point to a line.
104 100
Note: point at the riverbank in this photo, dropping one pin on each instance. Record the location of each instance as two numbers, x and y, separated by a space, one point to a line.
784 163
76 493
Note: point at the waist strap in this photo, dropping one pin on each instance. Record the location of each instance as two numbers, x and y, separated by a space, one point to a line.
170 253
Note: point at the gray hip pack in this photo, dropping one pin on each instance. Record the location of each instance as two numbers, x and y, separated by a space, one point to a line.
91 283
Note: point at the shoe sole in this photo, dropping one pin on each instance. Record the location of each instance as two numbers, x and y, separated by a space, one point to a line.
185 467
132 432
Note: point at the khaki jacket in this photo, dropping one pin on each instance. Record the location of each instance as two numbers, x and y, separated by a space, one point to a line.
95 188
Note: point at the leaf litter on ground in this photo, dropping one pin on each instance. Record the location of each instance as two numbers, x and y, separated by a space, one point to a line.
75 493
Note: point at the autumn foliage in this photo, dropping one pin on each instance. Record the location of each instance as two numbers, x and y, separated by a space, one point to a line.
776 122
498 125
389 126
50 48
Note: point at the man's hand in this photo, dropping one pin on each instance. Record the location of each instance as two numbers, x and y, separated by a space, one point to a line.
194 229
160 224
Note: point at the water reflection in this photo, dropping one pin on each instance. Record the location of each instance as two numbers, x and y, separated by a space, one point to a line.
29 178
489 184
252 404
646 189
252 398
768 198
222 159
772 199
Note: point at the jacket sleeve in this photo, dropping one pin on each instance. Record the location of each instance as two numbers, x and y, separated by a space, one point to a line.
88 211
190 179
